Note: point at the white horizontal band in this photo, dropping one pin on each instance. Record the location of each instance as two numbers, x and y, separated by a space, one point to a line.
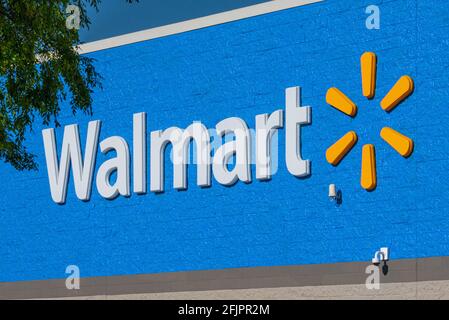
193 24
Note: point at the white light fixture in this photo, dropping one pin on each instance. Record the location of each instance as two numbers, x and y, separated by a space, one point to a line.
381 255
334 195
332 191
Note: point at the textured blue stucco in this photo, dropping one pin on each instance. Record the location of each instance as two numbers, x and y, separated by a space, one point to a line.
242 69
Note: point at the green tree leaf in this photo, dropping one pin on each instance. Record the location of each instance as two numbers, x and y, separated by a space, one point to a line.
39 69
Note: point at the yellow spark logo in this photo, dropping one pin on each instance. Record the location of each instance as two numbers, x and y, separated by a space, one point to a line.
399 142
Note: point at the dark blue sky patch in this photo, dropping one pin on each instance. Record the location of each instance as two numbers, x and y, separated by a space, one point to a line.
117 17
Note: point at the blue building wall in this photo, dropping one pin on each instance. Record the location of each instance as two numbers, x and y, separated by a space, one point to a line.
242 69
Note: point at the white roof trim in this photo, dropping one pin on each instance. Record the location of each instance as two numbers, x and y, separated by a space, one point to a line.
193 24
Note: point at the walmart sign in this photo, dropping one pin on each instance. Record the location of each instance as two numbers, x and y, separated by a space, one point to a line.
240 148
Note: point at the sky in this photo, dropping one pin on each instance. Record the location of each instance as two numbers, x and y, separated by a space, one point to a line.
116 17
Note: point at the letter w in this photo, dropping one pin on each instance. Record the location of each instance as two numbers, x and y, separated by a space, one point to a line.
71 153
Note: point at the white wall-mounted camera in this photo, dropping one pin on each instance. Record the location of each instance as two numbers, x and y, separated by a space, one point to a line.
381 255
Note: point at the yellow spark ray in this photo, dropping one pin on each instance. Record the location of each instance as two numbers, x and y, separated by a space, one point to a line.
368 62
339 149
401 90
368 179
340 101
402 144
